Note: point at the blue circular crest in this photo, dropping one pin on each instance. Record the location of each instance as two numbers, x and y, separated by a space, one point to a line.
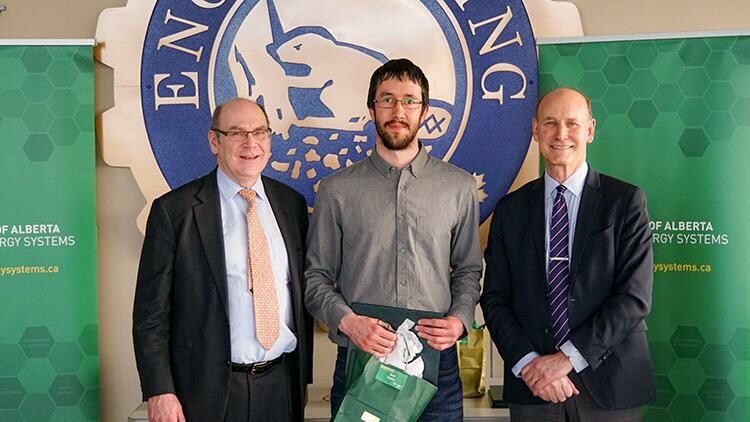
309 63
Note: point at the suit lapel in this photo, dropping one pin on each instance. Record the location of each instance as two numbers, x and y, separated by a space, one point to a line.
536 223
208 219
286 221
587 210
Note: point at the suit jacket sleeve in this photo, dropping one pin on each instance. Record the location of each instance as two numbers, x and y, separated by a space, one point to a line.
309 331
151 310
497 301
622 291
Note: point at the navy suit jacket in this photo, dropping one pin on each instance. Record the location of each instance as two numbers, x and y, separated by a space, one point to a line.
180 316
611 278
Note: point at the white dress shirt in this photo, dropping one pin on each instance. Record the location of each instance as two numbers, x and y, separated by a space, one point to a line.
244 343
573 190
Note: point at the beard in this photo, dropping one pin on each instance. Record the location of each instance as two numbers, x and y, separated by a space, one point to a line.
392 143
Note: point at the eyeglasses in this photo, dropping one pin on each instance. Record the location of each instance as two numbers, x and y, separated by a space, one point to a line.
390 102
261 134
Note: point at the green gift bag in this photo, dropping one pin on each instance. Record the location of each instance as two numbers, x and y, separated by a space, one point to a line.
380 393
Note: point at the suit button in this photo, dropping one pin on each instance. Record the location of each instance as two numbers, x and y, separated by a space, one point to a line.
546 330
226 323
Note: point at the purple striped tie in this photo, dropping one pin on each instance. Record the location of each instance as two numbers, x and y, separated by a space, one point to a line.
559 268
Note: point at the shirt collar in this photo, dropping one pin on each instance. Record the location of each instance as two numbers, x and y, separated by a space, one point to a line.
574 183
228 188
416 166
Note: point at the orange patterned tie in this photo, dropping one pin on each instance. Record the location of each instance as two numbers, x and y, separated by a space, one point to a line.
260 281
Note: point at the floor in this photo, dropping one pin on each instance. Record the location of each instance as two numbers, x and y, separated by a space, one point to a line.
317 410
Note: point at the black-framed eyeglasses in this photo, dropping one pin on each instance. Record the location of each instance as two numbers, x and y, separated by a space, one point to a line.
390 102
238 135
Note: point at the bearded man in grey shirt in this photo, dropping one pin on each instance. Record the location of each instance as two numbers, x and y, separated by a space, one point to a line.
399 228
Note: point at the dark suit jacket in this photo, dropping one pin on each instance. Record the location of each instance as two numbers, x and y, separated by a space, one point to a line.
180 317
610 294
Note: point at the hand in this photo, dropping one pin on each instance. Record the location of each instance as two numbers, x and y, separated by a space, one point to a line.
545 369
368 334
558 390
440 333
165 408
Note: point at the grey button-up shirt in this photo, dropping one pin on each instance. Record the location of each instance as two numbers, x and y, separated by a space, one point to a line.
407 239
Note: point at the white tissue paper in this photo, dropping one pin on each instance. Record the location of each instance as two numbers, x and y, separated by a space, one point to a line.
406 349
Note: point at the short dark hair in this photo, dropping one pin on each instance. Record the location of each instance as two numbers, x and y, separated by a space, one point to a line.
400 69
217 112
581 93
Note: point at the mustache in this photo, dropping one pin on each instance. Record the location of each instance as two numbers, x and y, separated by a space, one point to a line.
399 121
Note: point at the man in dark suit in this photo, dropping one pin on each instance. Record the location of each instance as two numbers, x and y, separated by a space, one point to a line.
203 351
568 281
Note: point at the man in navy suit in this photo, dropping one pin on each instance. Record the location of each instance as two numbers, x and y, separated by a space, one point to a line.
200 355
574 346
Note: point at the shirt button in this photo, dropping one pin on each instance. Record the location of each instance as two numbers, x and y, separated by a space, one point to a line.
403 282
403 187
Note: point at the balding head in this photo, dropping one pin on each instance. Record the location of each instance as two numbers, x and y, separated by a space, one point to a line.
564 90
219 108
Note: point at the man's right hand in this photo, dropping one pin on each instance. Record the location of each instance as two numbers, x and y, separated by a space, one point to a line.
367 334
165 408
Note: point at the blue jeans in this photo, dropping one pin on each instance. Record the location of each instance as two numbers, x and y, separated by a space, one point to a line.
447 405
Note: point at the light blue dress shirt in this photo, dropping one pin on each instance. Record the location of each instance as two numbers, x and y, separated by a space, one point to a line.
573 189
244 343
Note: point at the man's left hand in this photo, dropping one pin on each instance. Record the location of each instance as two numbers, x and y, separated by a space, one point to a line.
440 333
559 390
543 370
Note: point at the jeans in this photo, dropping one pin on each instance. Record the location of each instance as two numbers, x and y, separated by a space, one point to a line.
447 404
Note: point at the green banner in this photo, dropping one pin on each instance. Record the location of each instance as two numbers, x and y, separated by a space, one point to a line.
674 118
49 366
